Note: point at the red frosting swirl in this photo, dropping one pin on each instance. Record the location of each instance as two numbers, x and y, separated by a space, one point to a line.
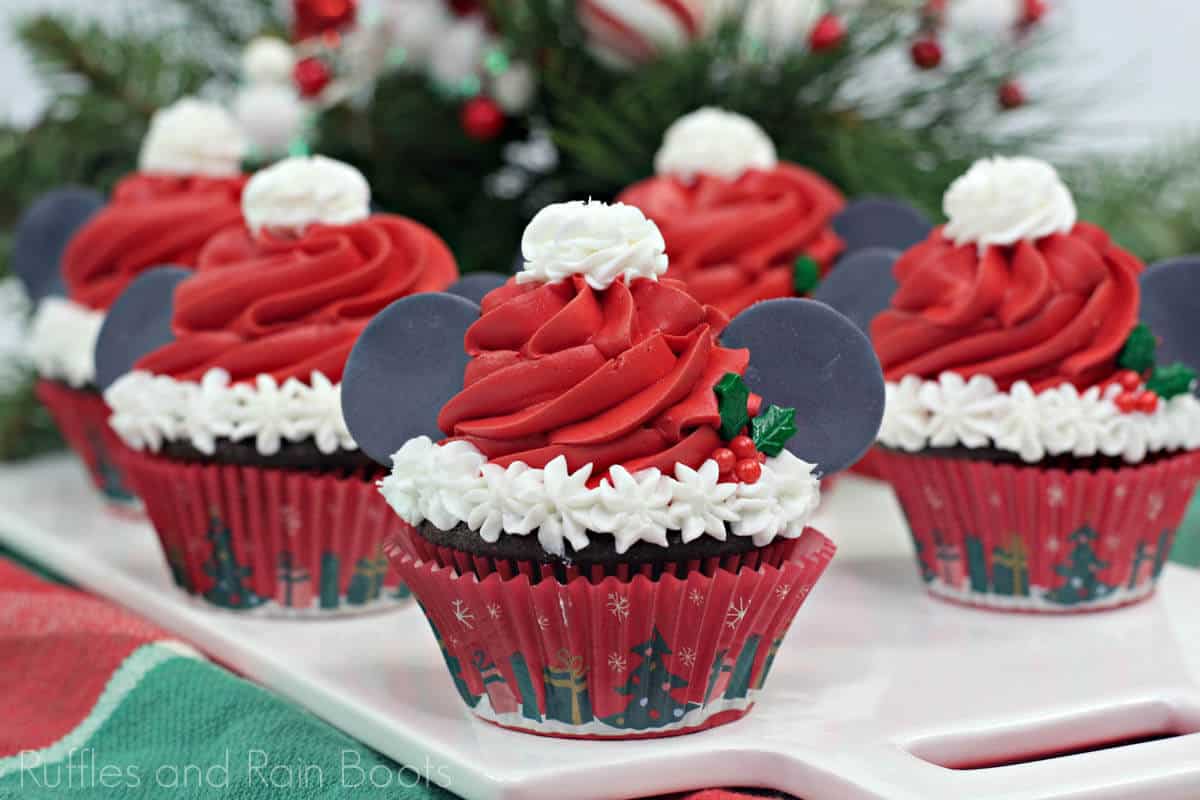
1049 311
284 306
735 242
620 376
151 220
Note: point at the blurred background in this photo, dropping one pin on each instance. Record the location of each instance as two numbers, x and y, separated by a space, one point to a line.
471 115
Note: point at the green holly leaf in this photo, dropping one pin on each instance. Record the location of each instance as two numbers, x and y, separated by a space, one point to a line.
772 428
1139 349
1170 381
805 275
732 397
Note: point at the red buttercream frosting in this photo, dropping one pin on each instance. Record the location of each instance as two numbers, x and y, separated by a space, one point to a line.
286 306
151 221
735 243
1049 311
619 376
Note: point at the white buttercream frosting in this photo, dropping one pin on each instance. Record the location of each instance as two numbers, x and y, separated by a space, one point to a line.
297 192
1001 201
193 137
713 141
599 241
149 410
974 413
453 483
62 341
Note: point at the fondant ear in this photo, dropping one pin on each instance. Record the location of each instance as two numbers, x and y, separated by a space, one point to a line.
880 222
805 355
1170 305
406 364
138 323
860 285
478 284
42 234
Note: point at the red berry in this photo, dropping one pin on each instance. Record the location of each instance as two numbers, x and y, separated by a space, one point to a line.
1129 379
743 447
311 76
828 33
1126 402
1147 402
1011 95
725 459
926 53
482 118
748 471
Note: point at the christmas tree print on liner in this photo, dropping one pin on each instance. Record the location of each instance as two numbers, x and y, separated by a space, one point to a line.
1080 571
649 688
230 579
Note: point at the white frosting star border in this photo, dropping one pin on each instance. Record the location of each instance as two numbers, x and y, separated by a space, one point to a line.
149 410
453 483
951 412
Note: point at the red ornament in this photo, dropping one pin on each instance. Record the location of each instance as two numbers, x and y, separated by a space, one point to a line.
748 471
1147 402
725 459
311 76
1033 11
926 53
314 17
482 118
743 447
1011 95
828 33
1129 379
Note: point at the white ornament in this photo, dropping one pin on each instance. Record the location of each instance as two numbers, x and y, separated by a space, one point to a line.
714 142
622 33
418 27
271 116
268 61
459 54
62 341
514 88
193 137
300 191
601 242
988 17
1001 201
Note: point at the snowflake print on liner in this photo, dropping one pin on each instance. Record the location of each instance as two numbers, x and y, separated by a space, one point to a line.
617 662
463 614
618 605
493 611
696 597
934 499
1155 505
688 656
782 591
736 613
542 622
1055 496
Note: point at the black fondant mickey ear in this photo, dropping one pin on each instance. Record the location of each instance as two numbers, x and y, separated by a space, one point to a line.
138 323
42 234
1170 305
477 285
406 364
805 355
860 285
880 222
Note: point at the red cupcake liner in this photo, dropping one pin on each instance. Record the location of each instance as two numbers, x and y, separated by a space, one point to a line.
615 657
1026 538
271 541
869 466
82 417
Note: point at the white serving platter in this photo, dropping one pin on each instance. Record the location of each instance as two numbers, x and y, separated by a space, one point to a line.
876 687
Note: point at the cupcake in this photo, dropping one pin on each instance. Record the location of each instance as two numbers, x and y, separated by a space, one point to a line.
187 188
228 401
608 483
1043 453
740 225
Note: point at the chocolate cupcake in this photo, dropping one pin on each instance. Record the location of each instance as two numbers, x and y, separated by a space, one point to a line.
1042 452
623 486
187 187
229 401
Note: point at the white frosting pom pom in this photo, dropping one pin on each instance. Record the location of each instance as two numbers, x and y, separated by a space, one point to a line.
268 61
713 141
193 137
601 242
298 192
272 116
1000 201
